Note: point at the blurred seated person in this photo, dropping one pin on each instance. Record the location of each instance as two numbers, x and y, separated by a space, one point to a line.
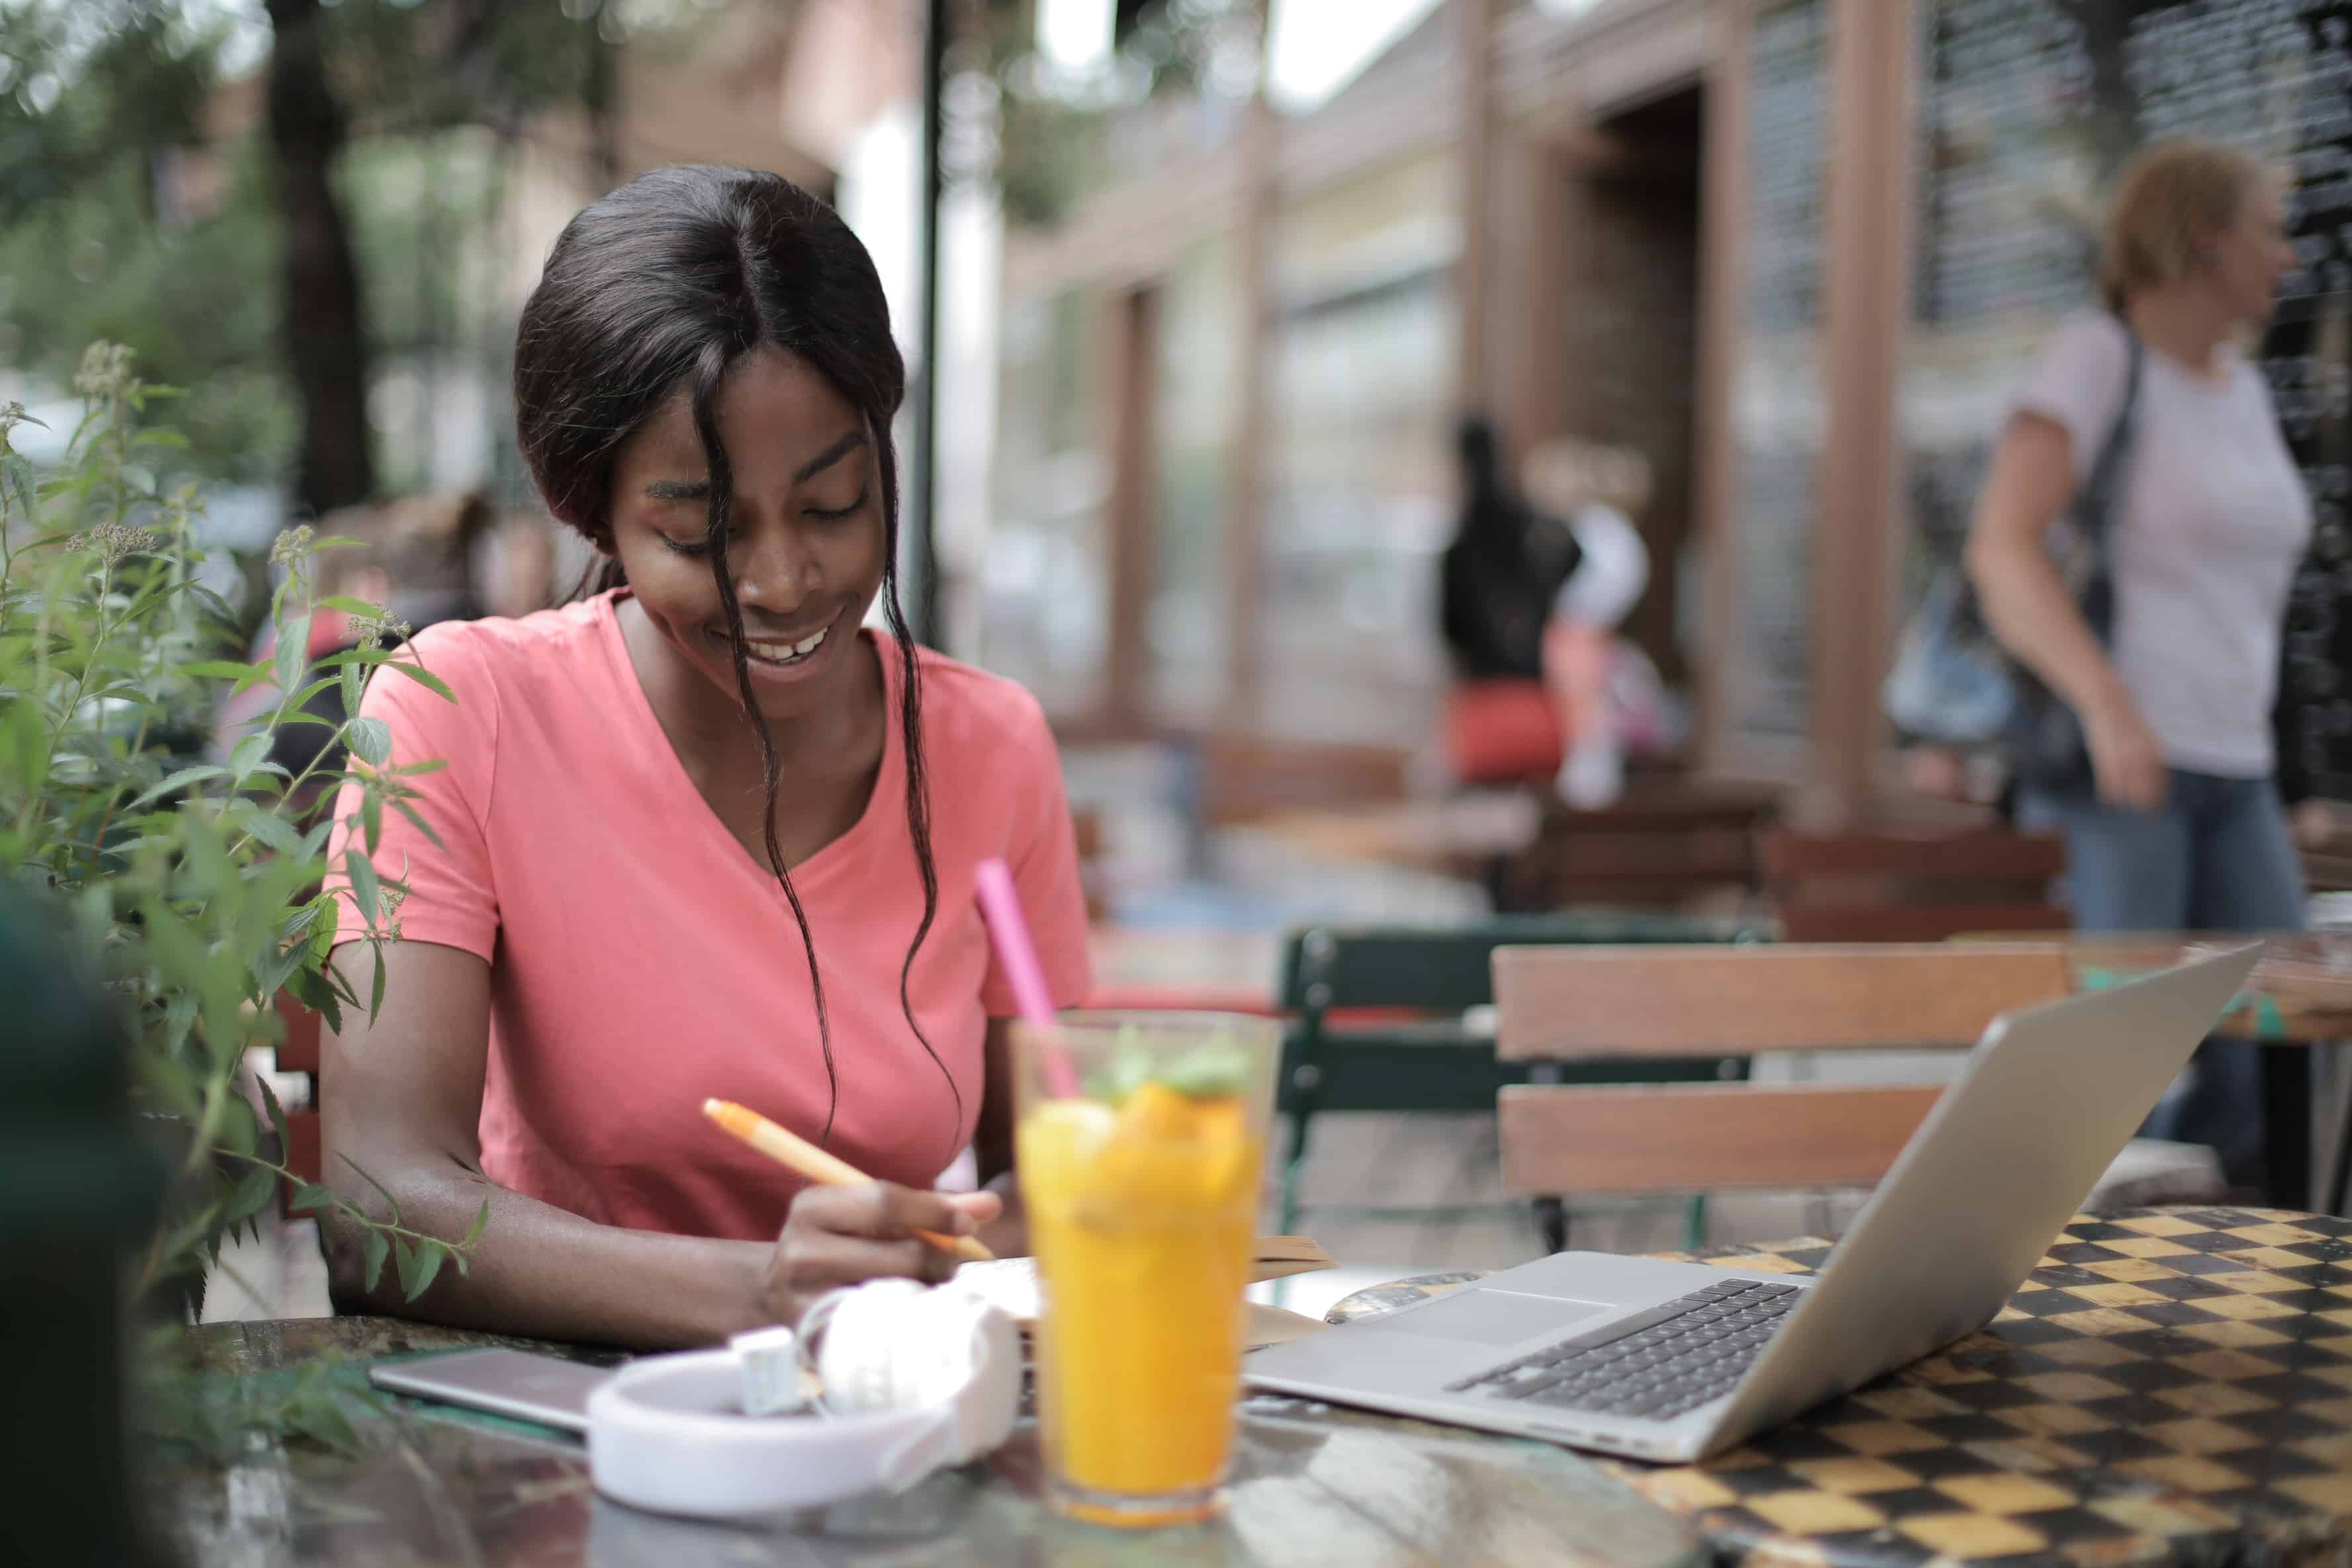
1500 575
1600 683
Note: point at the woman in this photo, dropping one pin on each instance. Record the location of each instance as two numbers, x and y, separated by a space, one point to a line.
1598 490
1499 579
689 841
2181 827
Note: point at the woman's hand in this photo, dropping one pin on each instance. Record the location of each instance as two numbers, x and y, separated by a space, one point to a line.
2126 757
845 1236
2313 824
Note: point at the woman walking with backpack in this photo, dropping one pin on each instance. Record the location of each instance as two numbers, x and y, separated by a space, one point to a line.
2177 823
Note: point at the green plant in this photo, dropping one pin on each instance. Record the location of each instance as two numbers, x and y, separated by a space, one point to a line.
195 883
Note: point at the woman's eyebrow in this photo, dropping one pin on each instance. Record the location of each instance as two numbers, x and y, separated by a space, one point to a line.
678 489
830 456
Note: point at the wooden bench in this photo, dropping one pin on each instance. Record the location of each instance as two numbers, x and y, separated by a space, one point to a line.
1911 886
1670 842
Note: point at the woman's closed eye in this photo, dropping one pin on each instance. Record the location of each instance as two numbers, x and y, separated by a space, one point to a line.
835 514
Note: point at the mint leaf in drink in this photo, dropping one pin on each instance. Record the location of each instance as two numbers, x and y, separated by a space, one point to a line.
1129 1069
1215 1071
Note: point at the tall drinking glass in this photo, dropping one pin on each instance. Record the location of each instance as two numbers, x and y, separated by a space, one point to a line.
1143 1193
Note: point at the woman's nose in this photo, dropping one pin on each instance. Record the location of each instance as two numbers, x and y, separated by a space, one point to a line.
772 571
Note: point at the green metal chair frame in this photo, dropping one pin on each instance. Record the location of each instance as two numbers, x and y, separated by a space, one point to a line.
1432 1062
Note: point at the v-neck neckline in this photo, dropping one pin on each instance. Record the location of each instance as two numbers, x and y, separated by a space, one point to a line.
888 778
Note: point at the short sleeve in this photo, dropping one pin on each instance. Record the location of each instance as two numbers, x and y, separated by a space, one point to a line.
2079 382
450 899
1043 852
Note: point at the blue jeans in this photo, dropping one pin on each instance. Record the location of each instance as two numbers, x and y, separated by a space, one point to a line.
2215 857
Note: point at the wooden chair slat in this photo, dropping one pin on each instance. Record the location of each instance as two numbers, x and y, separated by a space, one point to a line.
1699 1001
1630 1140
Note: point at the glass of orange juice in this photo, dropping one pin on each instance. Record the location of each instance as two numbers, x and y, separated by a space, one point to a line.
1142 1194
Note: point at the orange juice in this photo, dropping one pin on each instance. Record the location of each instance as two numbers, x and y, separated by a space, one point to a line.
1142 1214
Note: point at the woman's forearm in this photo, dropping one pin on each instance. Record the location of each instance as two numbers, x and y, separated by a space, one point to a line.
2033 615
543 1271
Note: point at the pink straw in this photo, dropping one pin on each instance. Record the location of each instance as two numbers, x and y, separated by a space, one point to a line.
1000 905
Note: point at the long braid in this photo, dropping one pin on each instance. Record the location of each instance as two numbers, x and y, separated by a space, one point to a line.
709 370
919 789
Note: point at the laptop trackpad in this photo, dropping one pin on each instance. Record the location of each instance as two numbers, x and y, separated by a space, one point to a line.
1493 1317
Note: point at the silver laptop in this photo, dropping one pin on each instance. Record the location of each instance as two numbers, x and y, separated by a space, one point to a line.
1676 1361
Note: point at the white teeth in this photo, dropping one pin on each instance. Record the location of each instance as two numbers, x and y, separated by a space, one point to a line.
786 652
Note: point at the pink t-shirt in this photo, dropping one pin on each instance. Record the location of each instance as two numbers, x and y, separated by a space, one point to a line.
641 961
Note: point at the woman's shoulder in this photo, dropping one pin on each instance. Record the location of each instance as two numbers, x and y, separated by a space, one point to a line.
512 654
2091 337
964 705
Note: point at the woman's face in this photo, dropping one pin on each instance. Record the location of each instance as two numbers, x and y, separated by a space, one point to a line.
805 540
2249 256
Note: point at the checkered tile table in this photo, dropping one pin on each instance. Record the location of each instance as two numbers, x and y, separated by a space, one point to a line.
2170 1386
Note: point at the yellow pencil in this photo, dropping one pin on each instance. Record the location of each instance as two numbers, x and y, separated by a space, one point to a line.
817 1166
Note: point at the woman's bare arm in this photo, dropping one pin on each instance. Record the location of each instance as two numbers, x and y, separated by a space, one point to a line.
2028 607
402 1099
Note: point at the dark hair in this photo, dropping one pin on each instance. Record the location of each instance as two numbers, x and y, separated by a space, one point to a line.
668 283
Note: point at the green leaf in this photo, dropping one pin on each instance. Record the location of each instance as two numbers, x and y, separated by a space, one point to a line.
17 473
355 679
244 675
316 990
419 1266
310 1195
372 819
363 886
424 678
252 1195
418 770
481 1223
140 480
273 973
249 755
372 1257
25 746
277 1119
336 542
351 606
265 825
176 782
375 988
355 656
370 740
406 1252
293 652
421 825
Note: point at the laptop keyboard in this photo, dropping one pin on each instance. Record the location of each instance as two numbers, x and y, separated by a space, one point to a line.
1655 1363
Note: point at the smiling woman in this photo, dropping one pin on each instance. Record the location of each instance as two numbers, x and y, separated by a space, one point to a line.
686 843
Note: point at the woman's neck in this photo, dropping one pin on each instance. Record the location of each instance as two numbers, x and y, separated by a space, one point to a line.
709 723
2186 325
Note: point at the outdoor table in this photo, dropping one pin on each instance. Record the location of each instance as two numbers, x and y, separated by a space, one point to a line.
2169 1385
1311 1484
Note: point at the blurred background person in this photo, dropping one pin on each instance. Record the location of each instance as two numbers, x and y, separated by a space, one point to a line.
1599 681
2180 825
1499 579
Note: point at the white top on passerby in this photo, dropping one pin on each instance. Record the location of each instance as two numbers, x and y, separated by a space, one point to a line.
1611 570
2210 521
